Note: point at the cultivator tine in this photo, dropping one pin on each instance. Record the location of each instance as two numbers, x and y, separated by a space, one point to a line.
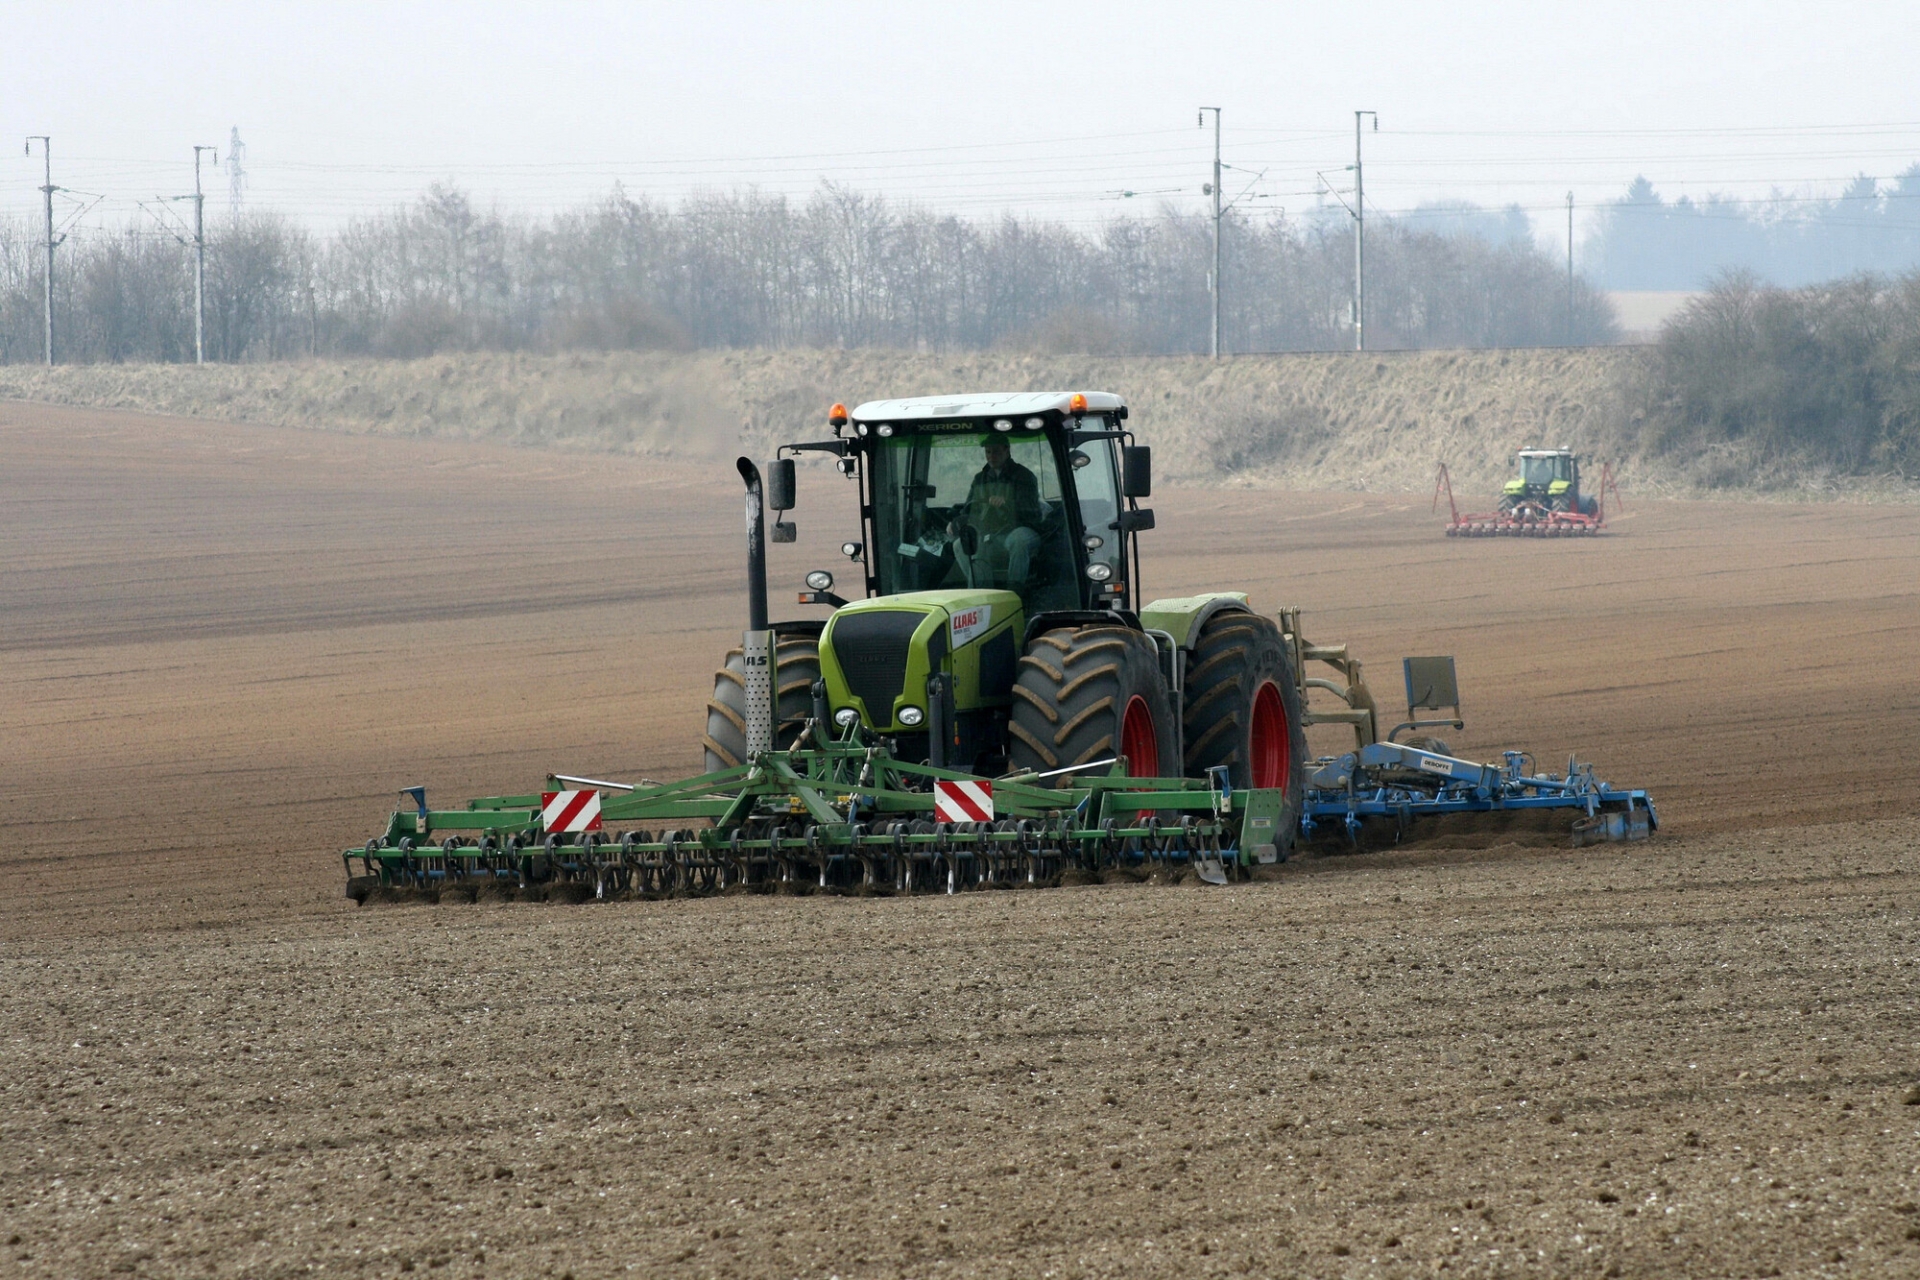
1210 869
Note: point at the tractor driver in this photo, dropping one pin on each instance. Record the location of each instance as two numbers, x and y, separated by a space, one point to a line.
1003 506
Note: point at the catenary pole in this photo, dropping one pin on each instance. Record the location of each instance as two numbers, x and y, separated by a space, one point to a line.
1569 268
1213 280
46 149
200 259
1360 236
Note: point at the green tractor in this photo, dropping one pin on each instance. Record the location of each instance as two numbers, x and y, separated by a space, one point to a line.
999 625
1549 479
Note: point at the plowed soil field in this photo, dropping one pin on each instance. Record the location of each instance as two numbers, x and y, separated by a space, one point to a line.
224 648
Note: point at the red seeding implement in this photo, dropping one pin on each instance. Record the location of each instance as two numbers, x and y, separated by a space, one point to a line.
1543 501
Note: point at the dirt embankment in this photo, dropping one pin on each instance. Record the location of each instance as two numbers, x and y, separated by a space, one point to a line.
1331 421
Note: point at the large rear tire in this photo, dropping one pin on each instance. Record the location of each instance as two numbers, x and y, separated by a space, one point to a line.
1085 696
1242 708
797 666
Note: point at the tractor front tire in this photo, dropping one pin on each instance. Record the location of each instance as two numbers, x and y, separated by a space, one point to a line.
1085 696
1242 708
796 667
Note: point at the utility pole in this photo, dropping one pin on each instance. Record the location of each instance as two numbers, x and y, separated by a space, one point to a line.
46 149
200 259
1569 268
1213 189
1360 236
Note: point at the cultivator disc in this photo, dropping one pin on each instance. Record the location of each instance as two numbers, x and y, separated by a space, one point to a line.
839 818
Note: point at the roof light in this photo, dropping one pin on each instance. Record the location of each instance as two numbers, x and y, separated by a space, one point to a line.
860 429
1034 424
837 416
884 430
1077 403
1003 424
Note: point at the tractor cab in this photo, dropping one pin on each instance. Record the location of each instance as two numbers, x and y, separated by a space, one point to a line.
1010 493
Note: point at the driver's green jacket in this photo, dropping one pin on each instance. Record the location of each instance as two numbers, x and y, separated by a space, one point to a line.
1019 492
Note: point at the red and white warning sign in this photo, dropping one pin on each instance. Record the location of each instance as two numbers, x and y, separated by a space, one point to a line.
565 811
963 801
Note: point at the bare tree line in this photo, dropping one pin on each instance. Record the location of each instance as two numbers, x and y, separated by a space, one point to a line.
744 269
1827 374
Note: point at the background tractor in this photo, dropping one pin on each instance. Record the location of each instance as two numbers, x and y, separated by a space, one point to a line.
1544 501
1002 627
1549 479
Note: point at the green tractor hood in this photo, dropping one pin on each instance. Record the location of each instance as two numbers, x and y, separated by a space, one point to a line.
877 655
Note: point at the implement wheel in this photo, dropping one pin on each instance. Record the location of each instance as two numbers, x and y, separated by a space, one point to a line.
1086 696
797 666
1242 709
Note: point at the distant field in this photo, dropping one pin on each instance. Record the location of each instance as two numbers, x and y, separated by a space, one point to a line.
1643 311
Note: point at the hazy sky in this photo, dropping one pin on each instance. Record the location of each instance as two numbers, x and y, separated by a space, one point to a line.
1034 106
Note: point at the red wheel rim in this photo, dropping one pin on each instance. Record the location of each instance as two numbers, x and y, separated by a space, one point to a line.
1138 741
1269 744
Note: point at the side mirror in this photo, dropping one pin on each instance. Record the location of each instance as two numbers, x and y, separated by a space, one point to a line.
1136 471
781 484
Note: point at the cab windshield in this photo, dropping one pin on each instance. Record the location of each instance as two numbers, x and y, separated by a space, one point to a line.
1541 472
968 508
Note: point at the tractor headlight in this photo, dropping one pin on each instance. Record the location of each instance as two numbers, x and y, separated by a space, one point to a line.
884 430
846 717
911 716
1093 542
1003 424
819 580
1099 572
1034 424
851 550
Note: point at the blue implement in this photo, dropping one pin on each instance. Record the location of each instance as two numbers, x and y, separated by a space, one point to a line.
1387 780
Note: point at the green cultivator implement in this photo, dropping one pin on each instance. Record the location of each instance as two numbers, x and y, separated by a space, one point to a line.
838 816
1002 706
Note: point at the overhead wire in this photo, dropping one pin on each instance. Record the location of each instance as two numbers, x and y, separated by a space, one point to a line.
1007 176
